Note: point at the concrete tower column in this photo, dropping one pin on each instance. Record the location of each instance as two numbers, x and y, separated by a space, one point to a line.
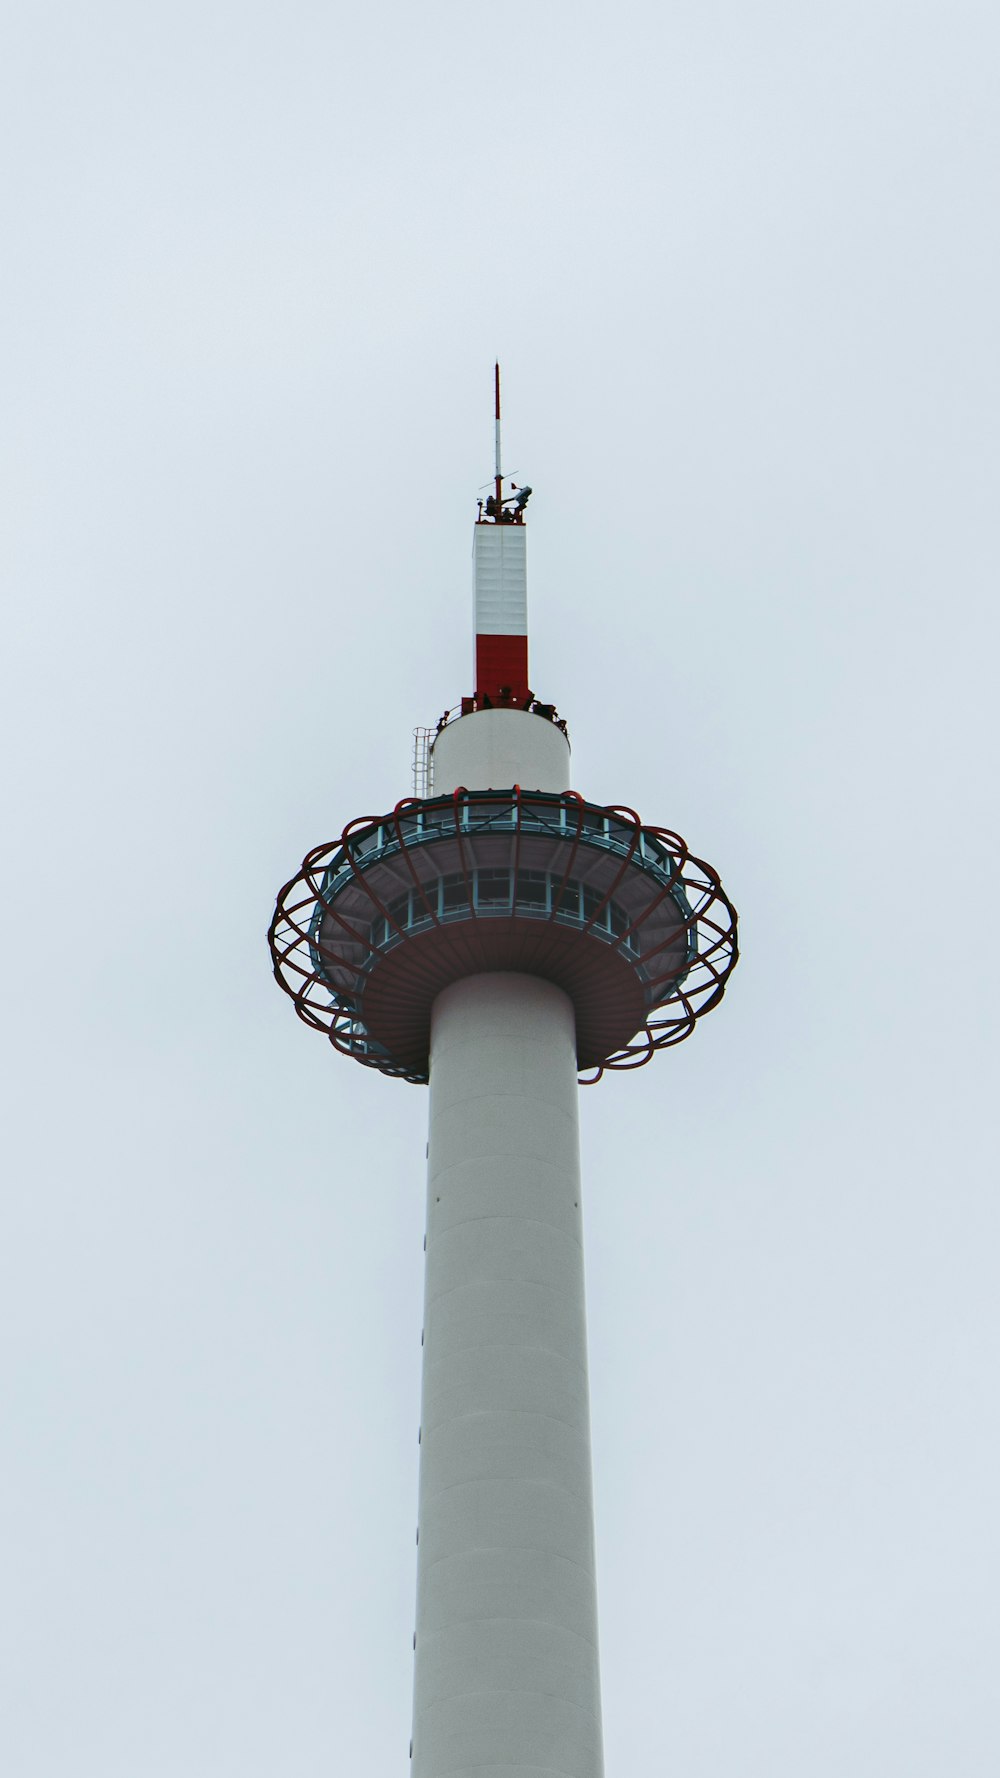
506 1681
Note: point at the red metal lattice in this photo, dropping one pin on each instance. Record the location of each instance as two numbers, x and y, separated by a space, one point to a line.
372 995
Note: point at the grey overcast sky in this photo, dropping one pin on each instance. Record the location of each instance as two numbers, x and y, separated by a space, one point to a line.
740 264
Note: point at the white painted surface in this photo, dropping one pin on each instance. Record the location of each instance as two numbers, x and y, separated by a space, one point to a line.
500 580
506 1666
494 749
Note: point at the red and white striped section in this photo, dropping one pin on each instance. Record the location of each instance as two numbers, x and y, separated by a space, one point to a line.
500 602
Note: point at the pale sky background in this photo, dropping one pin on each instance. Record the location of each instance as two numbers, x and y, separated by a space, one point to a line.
740 264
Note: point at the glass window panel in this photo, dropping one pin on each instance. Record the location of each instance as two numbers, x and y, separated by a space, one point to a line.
423 905
399 909
493 888
568 901
532 889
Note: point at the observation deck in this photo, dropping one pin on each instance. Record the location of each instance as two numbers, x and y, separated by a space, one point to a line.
621 916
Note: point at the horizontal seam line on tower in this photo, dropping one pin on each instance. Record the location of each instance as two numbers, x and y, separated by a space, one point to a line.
507 1346
533 1221
476 1283
450 1697
495 1413
504 1481
462 1103
536 1160
467 1099
484 1549
506 1617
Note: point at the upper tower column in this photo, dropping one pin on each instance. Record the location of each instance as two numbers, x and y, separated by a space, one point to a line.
505 737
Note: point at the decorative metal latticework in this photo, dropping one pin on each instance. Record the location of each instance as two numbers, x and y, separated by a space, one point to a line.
621 916
634 928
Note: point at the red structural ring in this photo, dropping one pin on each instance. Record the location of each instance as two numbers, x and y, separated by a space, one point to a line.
710 925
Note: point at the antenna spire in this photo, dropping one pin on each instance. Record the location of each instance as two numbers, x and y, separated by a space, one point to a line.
498 510
498 473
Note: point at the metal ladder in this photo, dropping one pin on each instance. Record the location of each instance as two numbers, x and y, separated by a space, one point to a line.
423 765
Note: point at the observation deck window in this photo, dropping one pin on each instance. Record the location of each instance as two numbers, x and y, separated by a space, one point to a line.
533 890
492 888
486 892
454 894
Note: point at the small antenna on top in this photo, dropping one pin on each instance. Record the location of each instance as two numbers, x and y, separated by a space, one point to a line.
499 476
498 510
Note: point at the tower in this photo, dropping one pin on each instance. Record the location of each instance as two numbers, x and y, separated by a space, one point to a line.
498 938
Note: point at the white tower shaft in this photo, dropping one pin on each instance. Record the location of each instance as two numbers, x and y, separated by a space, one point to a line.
506 1678
506 1675
488 944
